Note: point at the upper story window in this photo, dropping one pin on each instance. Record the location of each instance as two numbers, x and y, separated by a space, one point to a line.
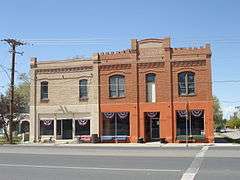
117 86
186 82
44 90
151 87
83 89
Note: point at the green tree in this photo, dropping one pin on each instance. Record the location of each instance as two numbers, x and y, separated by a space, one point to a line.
21 102
4 109
21 95
218 114
234 121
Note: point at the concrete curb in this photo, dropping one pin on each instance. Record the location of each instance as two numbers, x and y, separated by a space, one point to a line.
134 145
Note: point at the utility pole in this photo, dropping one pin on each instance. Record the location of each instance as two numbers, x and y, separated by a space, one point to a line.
13 43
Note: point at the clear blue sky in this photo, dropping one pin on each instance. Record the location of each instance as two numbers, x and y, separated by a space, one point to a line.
107 25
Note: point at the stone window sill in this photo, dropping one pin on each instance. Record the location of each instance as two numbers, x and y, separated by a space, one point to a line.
117 97
44 100
85 99
187 95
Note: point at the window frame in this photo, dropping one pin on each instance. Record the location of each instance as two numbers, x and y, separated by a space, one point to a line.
118 87
48 131
79 129
147 87
83 97
44 84
187 83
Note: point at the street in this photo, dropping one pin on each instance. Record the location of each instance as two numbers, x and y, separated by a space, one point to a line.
94 163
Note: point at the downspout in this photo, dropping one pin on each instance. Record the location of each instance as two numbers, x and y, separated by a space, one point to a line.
134 46
171 96
138 104
96 62
35 106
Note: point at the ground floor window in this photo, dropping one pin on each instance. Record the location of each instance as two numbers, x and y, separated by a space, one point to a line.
82 127
116 124
194 120
46 127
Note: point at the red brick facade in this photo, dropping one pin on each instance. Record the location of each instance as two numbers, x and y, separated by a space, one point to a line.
156 56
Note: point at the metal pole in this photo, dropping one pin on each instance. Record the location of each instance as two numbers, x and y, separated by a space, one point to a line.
116 128
186 128
190 126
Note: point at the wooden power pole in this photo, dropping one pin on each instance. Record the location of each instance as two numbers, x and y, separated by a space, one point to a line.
13 44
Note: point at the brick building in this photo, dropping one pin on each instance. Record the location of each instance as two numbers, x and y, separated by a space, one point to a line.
64 99
151 90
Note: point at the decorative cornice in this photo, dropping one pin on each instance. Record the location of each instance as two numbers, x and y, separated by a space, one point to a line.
114 67
151 65
65 70
189 63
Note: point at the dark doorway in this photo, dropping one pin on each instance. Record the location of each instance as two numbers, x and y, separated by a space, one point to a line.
25 130
67 129
152 126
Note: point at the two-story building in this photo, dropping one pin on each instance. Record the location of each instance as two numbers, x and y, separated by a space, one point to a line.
64 99
154 91
149 91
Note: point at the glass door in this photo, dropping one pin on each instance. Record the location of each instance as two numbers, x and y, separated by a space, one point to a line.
154 125
67 129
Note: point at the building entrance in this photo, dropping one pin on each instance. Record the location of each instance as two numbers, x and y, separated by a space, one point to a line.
64 129
152 126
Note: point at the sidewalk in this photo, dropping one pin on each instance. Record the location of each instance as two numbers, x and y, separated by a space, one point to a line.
134 145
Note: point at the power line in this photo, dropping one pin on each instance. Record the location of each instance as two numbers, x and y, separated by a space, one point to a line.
4 69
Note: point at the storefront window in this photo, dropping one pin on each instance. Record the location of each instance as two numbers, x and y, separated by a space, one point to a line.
46 127
82 127
116 124
195 122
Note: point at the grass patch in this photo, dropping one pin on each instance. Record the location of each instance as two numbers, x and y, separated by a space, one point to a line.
16 140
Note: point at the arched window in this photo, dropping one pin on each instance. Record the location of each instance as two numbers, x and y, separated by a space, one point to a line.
151 87
83 89
186 83
117 86
44 90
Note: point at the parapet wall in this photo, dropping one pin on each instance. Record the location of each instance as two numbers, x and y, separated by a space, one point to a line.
124 54
192 50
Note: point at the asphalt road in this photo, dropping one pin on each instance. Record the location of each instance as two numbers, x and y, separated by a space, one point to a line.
98 163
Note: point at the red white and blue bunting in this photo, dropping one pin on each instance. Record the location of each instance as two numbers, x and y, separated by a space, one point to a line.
108 115
197 112
152 114
182 113
82 122
123 115
47 122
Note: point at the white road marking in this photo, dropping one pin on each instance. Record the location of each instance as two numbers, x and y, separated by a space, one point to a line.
193 169
88 168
